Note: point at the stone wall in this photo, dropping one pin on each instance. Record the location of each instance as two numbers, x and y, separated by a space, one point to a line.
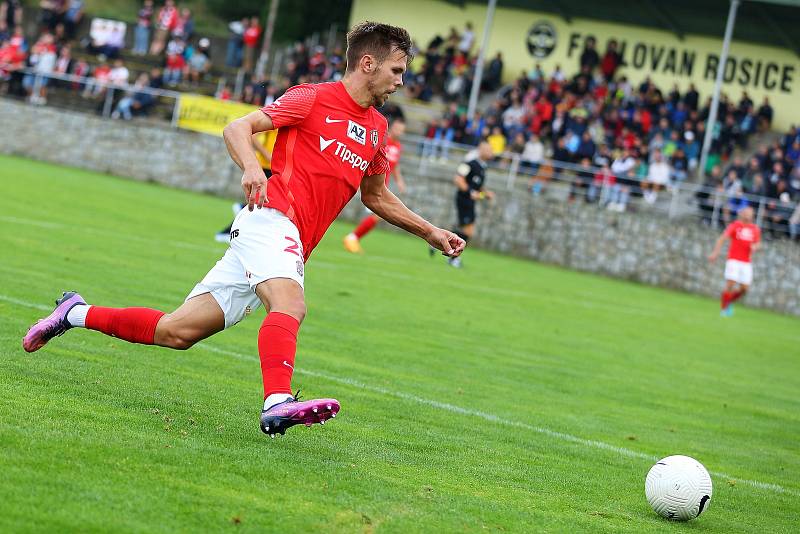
644 247
142 151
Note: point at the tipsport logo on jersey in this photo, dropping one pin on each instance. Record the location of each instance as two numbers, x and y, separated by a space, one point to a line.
345 154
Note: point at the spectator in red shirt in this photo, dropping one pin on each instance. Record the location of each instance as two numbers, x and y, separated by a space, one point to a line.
175 62
250 38
95 87
603 181
745 239
611 61
12 61
224 93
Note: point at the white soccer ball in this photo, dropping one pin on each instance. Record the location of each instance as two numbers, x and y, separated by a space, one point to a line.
678 487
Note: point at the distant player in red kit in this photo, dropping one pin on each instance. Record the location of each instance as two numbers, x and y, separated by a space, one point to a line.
393 151
331 141
745 239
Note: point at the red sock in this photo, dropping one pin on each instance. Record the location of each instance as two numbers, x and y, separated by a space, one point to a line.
277 342
725 300
137 325
735 296
367 224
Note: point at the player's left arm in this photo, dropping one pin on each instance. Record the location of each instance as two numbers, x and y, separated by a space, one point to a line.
486 193
377 197
399 180
757 243
718 246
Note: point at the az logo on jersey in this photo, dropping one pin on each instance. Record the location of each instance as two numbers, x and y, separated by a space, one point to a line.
356 132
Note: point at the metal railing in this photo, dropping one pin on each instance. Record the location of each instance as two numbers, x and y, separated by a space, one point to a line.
678 199
110 90
711 204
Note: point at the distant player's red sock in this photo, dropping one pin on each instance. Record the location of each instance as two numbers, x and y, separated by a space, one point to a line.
724 300
367 224
735 295
277 343
137 325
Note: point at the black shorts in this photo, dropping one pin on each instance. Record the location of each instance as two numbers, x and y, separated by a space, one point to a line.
466 211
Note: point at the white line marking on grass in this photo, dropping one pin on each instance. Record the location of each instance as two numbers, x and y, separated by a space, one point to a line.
108 233
561 436
30 222
12 300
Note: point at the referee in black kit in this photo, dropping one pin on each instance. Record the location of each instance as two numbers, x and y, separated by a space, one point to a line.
469 179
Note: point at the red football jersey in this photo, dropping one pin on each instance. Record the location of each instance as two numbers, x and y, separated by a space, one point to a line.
743 236
326 144
393 151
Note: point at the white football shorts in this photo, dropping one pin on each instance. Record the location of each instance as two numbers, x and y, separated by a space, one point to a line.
740 272
265 244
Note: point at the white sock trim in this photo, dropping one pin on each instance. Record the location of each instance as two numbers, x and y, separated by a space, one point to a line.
274 399
77 315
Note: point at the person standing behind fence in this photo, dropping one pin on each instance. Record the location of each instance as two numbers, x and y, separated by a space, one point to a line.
250 41
233 56
166 21
10 16
43 61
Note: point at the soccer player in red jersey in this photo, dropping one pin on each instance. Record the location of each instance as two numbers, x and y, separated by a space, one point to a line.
331 141
393 151
745 239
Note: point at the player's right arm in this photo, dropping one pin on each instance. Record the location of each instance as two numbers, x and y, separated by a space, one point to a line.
238 137
291 108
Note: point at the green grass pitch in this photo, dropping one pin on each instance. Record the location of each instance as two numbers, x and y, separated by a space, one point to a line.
507 396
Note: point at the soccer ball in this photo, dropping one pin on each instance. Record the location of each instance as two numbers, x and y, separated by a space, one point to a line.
678 487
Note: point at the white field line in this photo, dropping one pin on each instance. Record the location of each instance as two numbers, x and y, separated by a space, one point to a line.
83 229
560 436
436 404
25 303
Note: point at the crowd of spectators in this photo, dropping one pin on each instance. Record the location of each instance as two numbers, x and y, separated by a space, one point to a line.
166 35
616 137
163 36
769 181
445 68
